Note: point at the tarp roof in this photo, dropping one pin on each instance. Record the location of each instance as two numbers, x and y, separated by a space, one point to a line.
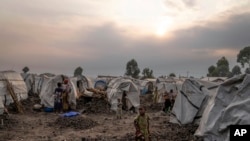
229 106
191 101
17 84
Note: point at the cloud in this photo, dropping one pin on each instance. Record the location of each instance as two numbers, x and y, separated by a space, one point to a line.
106 47
232 33
189 3
180 4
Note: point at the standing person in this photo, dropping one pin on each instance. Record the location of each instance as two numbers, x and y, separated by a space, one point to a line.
172 98
124 101
58 98
167 102
156 95
119 109
65 95
141 124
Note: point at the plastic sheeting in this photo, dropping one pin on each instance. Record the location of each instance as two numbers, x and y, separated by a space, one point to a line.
116 88
166 87
100 84
191 101
229 106
47 93
18 86
144 86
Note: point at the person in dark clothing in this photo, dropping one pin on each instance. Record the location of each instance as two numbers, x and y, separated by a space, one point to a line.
58 98
172 98
124 101
167 103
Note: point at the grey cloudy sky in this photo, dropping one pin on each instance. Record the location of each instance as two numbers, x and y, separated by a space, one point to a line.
167 36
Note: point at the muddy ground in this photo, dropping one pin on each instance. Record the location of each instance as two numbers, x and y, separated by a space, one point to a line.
96 123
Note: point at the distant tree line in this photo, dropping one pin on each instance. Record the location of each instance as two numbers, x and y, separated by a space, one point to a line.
133 70
221 69
222 66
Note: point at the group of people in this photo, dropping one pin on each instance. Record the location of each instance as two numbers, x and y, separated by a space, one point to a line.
141 121
169 99
61 97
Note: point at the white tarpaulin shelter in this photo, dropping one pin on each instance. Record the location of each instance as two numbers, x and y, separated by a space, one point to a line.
40 82
115 90
29 80
35 82
82 83
47 93
191 101
144 86
229 106
165 85
101 84
17 84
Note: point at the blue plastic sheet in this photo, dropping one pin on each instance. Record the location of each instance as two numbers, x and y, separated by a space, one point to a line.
70 114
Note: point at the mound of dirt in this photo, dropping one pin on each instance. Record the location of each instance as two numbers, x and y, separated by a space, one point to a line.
94 105
77 122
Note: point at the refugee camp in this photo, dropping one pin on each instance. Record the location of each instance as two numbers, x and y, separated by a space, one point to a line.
124 70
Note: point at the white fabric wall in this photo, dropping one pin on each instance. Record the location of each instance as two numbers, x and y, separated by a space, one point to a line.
190 102
229 106
18 86
47 98
115 91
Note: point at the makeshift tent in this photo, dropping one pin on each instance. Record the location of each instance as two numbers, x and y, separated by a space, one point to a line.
82 83
191 101
100 84
39 83
217 80
115 90
47 92
229 106
34 82
165 79
147 87
144 86
165 85
17 84
29 80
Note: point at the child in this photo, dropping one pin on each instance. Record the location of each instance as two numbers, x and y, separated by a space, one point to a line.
141 124
58 98
119 109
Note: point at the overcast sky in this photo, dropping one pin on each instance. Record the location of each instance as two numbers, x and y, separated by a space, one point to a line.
101 36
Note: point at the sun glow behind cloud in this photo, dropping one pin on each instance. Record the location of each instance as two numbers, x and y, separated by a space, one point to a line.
163 26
